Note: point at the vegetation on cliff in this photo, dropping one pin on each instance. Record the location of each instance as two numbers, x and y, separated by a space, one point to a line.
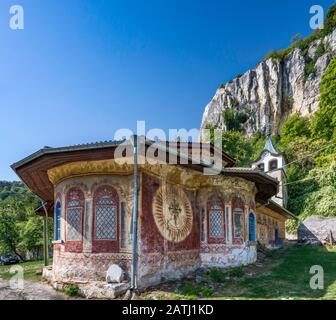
309 145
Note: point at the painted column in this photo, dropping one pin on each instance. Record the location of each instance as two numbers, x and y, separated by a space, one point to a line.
228 218
87 239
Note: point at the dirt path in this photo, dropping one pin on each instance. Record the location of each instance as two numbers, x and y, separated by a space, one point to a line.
31 291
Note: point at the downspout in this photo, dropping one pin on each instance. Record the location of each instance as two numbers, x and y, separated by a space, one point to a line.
45 237
135 214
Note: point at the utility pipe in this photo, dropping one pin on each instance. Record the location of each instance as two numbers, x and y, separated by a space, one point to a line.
135 214
46 238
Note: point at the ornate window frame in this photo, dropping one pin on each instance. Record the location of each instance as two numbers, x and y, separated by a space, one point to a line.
215 201
237 203
74 194
106 245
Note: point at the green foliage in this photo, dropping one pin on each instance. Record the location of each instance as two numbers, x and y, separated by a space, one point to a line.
279 55
216 275
320 50
330 21
310 68
72 290
192 291
21 230
235 272
206 292
238 146
295 126
231 119
324 121
9 234
297 37
304 44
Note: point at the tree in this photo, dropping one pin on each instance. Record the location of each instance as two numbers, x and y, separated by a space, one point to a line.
296 126
296 38
235 144
324 120
9 233
32 235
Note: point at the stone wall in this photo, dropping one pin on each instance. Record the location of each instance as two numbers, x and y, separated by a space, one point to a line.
83 267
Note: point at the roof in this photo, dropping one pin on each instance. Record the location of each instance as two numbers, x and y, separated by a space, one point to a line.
269 146
281 210
33 169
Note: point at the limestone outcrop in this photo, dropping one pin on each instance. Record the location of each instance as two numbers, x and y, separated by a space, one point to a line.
274 89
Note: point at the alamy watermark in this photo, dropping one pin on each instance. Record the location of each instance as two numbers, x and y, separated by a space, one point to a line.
317 20
16 21
317 280
16 282
180 146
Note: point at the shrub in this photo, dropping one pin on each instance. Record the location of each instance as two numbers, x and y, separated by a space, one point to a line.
324 120
310 68
189 289
235 272
206 292
216 275
320 50
295 126
72 290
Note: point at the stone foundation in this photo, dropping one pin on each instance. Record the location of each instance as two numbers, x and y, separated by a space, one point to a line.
224 256
156 268
78 267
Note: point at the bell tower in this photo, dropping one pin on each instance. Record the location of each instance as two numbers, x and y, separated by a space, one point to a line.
273 163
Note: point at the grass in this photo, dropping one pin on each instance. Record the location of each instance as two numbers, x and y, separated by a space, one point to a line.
283 275
32 270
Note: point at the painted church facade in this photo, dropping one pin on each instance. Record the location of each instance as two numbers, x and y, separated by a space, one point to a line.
185 219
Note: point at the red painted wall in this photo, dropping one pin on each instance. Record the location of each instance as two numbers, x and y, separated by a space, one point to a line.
152 240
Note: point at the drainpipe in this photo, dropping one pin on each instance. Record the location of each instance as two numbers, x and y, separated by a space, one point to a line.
135 213
45 236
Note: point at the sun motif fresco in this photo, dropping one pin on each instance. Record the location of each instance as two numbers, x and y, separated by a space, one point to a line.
172 213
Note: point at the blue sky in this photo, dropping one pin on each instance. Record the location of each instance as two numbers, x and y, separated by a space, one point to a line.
80 70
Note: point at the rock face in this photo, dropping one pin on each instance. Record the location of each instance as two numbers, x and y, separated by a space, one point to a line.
316 229
273 90
115 274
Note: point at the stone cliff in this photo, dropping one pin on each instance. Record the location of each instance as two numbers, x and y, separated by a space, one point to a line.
275 89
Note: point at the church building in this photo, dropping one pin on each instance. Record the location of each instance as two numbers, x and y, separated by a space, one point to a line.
157 221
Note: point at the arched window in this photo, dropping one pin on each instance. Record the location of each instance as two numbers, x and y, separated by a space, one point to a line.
273 164
105 220
238 220
58 208
216 221
252 227
74 220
